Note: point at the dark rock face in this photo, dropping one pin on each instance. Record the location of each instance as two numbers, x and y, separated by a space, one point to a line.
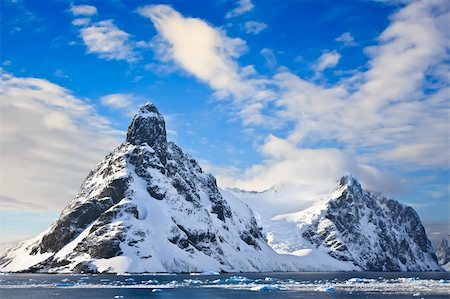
147 126
443 253
375 233
76 219
109 217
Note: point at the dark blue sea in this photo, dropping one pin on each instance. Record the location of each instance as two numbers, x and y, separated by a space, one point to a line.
242 285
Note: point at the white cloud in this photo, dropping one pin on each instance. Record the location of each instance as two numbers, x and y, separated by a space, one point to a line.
286 164
81 21
49 140
254 27
327 60
384 112
108 41
395 113
83 10
243 7
117 100
346 38
60 74
203 51
269 56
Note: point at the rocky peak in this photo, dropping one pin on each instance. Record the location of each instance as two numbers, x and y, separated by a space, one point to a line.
147 126
350 184
348 180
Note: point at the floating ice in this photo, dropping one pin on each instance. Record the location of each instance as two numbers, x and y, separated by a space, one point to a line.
360 280
238 279
193 281
324 288
267 288
64 284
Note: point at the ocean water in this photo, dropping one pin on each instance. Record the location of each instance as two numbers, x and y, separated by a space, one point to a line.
242 285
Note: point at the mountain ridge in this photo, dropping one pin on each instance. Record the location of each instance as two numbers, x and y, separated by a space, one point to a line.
355 225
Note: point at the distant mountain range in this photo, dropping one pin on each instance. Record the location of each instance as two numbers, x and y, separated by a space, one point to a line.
149 207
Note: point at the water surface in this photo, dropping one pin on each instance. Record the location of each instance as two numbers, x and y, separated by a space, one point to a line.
243 285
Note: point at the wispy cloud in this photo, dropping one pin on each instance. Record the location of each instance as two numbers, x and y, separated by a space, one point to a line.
346 38
269 56
244 6
327 60
106 40
9 203
254 27
49 142
117 100
83 10
60 74
81 21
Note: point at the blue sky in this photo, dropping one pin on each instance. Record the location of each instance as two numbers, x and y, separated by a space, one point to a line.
262 93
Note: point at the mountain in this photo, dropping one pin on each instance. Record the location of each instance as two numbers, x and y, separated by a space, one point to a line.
149 207
365 228
443 253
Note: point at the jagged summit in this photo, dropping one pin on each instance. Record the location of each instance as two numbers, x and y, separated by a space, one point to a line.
348 180
350 184
147 126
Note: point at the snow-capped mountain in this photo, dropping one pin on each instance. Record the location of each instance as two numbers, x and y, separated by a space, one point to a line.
443 253
148 207
354 225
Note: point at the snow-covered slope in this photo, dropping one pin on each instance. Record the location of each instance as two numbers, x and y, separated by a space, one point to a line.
443 253
281 199
364 228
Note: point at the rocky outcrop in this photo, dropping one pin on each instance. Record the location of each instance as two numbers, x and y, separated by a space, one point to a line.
443 253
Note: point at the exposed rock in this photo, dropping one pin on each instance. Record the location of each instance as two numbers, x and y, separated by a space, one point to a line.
443 253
